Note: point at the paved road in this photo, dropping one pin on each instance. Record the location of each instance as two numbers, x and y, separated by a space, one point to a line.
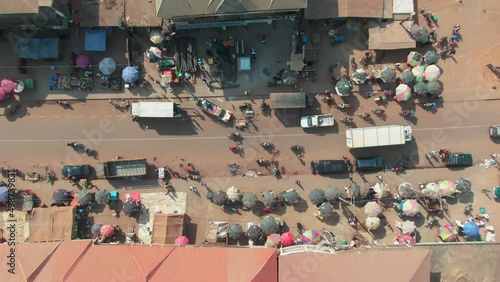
41 134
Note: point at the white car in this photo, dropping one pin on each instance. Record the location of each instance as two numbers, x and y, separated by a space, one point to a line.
317 121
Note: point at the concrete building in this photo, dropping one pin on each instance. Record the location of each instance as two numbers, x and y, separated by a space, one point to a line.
34 14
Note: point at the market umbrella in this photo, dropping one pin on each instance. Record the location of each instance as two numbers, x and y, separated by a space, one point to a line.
291 196
107 66
255 233
431 57
287 239
423 37
102 197
414 58
447 233
7 85
269 225
463 185
381 189
84 197
96 229
233 194
403 92
19 86
471 230
130 74
372 209
107 230
418 72
388 75
131 208
234 231
432 73
273 240
249 200
410 208
270 199
326 209
4 194
359 76
343 87
156 36
82 61
3 94
289 77
354 190
182 240
310 237
405 190
405 239
434 87
61 196
447 188
420 88
220 198
317 196
407 77
372 223
155 51
408 227
333 193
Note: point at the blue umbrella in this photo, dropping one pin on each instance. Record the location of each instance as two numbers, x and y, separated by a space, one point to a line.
130 74
471 229
4 194
107 66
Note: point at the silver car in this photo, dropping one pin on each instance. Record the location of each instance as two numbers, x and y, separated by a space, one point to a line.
495 131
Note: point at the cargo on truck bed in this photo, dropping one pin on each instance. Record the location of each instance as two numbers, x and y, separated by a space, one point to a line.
121 168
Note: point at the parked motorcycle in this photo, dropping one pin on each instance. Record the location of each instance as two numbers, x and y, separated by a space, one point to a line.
378 111
12 110
266 145
347 119
235 149
235 136
343 105
430 105
364 115
63 104
381 98
263 162
90 152
407 113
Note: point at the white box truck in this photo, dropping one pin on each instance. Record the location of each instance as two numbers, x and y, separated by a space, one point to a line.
156 110
378 136
316 121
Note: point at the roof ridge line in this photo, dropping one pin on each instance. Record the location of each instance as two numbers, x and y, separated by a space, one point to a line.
77 260
153 271
43 263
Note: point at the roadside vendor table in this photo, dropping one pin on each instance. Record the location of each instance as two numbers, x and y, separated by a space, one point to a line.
85 83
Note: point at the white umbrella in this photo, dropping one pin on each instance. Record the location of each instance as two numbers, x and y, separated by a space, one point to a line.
408 227
155 51
233 194
381 189
156 37
372 222
19 87
372 209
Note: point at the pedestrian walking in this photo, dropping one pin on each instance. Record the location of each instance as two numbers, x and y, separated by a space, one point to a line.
428 156
453 51
433 152
379 177
297 182
444 204
193 189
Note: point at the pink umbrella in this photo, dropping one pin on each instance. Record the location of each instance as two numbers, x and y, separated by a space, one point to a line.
287 239
107 230
405 239
8 85
2 94
82 61
182 240
403 92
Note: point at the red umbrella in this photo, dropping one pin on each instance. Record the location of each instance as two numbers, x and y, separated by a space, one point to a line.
107 230
7 85
189 169
82 61
287 239
2 94
182 240
405 239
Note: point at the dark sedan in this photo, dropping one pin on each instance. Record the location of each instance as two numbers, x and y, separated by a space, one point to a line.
329 166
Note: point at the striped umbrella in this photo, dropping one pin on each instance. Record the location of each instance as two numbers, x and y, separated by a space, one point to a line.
447 233
447 188
311 237
273 240
414 58
432 73
410 208
403 92
418 72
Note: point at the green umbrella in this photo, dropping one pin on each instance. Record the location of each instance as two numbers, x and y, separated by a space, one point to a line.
464 185
317 196
434 87
420 88
102 197
291 196
359 76
407 77
388 75
235 231
249 200
269 199
431 57
269 225
418 72
333 193
84 197
424 37
414 58
344 87
326 209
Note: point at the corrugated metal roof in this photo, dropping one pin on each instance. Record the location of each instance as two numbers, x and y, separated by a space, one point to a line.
19 7
324 9
389 36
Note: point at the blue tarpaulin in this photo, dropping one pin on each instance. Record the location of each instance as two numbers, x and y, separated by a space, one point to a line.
39 48
95 40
